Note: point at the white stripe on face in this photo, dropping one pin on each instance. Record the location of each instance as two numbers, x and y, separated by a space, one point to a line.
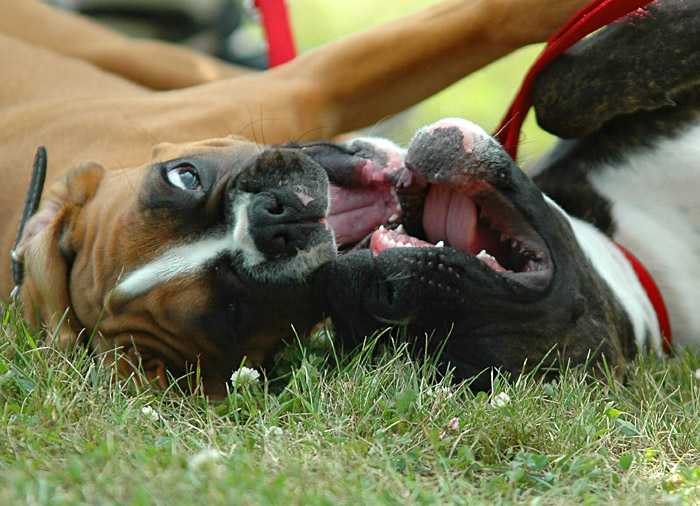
187 259
175 262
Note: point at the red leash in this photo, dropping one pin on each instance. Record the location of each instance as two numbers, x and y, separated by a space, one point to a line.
278 31
595 15
655 297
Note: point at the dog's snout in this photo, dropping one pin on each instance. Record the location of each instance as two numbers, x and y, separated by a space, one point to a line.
281 222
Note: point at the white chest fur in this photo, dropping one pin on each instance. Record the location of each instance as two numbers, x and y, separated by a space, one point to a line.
656 208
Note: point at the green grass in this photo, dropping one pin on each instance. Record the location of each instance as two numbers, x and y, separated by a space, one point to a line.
377 429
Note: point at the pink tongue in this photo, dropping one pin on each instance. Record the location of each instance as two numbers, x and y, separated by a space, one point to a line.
451 217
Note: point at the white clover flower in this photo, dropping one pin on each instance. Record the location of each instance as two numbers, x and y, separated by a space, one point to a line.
151 414
452 425
501 400
273 432
439 391
203 458
245 376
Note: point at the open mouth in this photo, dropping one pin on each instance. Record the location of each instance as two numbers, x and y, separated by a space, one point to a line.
402 209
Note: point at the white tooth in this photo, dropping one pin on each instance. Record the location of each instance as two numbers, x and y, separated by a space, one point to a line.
392 243
381 227
400 229
440 244
393 218
484 255
408 245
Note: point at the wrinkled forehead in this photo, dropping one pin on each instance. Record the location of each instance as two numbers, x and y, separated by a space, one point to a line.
232 151
235 146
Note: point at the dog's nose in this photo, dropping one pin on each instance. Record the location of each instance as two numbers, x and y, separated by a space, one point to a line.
281 222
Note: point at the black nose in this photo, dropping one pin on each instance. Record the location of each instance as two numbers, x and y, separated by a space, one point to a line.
280 224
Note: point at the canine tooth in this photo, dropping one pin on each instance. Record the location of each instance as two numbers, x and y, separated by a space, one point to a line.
381 227
399 229
440 244
484 255
393 218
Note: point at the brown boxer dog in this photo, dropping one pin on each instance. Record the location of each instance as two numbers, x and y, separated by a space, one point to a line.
199 257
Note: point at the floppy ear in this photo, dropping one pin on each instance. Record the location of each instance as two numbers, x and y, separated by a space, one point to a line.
46 253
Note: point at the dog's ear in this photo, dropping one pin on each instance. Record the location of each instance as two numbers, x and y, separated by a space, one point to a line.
46 253
645 61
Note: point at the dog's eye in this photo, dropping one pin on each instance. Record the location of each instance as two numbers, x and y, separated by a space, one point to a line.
185 177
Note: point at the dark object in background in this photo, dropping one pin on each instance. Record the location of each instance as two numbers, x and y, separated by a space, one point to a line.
216 27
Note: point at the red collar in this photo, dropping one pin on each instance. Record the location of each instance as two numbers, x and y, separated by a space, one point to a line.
655 297
278 31
596 14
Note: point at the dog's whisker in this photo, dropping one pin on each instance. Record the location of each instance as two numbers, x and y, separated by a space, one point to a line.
140 127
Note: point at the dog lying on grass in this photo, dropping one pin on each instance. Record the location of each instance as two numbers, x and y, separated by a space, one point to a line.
507 272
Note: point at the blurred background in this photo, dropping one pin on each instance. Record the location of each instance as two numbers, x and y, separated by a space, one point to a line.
225 28
482 97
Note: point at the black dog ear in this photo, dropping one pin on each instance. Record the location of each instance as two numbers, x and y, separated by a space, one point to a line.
647 60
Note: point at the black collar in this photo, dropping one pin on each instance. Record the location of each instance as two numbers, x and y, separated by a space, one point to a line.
31 203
